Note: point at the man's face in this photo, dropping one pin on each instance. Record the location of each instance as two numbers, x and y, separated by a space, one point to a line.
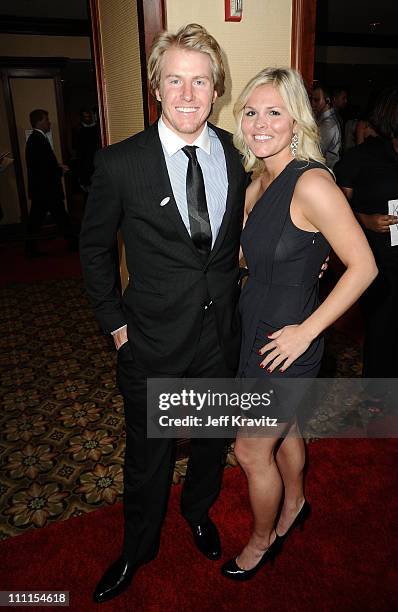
340 101
44 124
87 117
318 102
186 91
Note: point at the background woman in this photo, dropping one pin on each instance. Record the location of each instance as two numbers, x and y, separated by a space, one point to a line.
294 211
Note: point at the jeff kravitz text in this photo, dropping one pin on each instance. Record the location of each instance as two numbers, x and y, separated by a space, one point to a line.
221 421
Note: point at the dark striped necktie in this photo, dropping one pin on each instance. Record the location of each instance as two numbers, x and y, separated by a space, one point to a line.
199 222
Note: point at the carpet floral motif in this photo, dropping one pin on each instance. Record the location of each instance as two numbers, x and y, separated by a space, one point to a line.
62 437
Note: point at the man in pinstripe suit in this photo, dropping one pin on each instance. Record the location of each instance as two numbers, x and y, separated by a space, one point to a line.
178 315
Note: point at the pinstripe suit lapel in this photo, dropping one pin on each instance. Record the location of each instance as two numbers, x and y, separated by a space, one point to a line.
155 168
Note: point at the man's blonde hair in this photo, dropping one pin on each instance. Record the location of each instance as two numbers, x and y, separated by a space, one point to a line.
289 84
192 37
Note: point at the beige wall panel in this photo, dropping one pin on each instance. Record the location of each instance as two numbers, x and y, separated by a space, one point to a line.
9 200
75 47
28 94
261 39
118 26
122 68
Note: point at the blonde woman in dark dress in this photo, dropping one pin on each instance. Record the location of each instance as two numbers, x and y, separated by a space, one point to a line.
294 214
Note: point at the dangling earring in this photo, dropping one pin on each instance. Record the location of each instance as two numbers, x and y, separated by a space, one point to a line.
294 145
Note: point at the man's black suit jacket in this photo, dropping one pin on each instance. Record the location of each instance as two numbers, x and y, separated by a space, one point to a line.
168 281
44 172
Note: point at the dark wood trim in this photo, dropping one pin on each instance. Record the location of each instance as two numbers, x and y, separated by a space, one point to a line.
39 63
144 74
44 26
153 21
303 38
96 43
345 39
33 72
61 122
15 146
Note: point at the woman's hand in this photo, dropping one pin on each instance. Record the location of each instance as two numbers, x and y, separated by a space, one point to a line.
287 344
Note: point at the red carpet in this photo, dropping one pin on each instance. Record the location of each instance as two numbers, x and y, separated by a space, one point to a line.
344 560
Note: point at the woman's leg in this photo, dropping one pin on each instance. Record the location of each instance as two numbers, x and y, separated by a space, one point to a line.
290 459
256 457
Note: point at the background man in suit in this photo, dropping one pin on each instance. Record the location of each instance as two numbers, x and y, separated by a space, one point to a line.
328 123
176 193
86 141
44 184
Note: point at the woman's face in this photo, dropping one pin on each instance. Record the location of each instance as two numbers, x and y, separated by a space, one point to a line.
266 124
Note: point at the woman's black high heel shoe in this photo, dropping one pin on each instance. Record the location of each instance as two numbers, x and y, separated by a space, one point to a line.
298 521
231 569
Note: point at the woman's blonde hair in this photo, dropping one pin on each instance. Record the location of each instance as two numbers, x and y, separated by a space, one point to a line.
290 85
192 37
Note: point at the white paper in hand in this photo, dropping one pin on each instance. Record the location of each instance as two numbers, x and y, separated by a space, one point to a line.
393 210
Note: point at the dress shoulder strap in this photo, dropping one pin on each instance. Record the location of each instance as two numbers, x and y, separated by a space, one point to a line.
298 166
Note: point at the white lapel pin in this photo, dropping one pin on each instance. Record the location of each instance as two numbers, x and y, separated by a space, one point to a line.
165 201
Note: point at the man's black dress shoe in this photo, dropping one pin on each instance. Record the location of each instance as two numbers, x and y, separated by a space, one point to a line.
115 580
207 539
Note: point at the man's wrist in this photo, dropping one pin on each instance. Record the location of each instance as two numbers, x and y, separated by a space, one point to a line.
115 331
120 336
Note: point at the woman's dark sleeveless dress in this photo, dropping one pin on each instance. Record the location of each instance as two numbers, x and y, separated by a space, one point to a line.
282 288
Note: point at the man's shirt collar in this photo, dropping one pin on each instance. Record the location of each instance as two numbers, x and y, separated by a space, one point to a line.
327 113
173 143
